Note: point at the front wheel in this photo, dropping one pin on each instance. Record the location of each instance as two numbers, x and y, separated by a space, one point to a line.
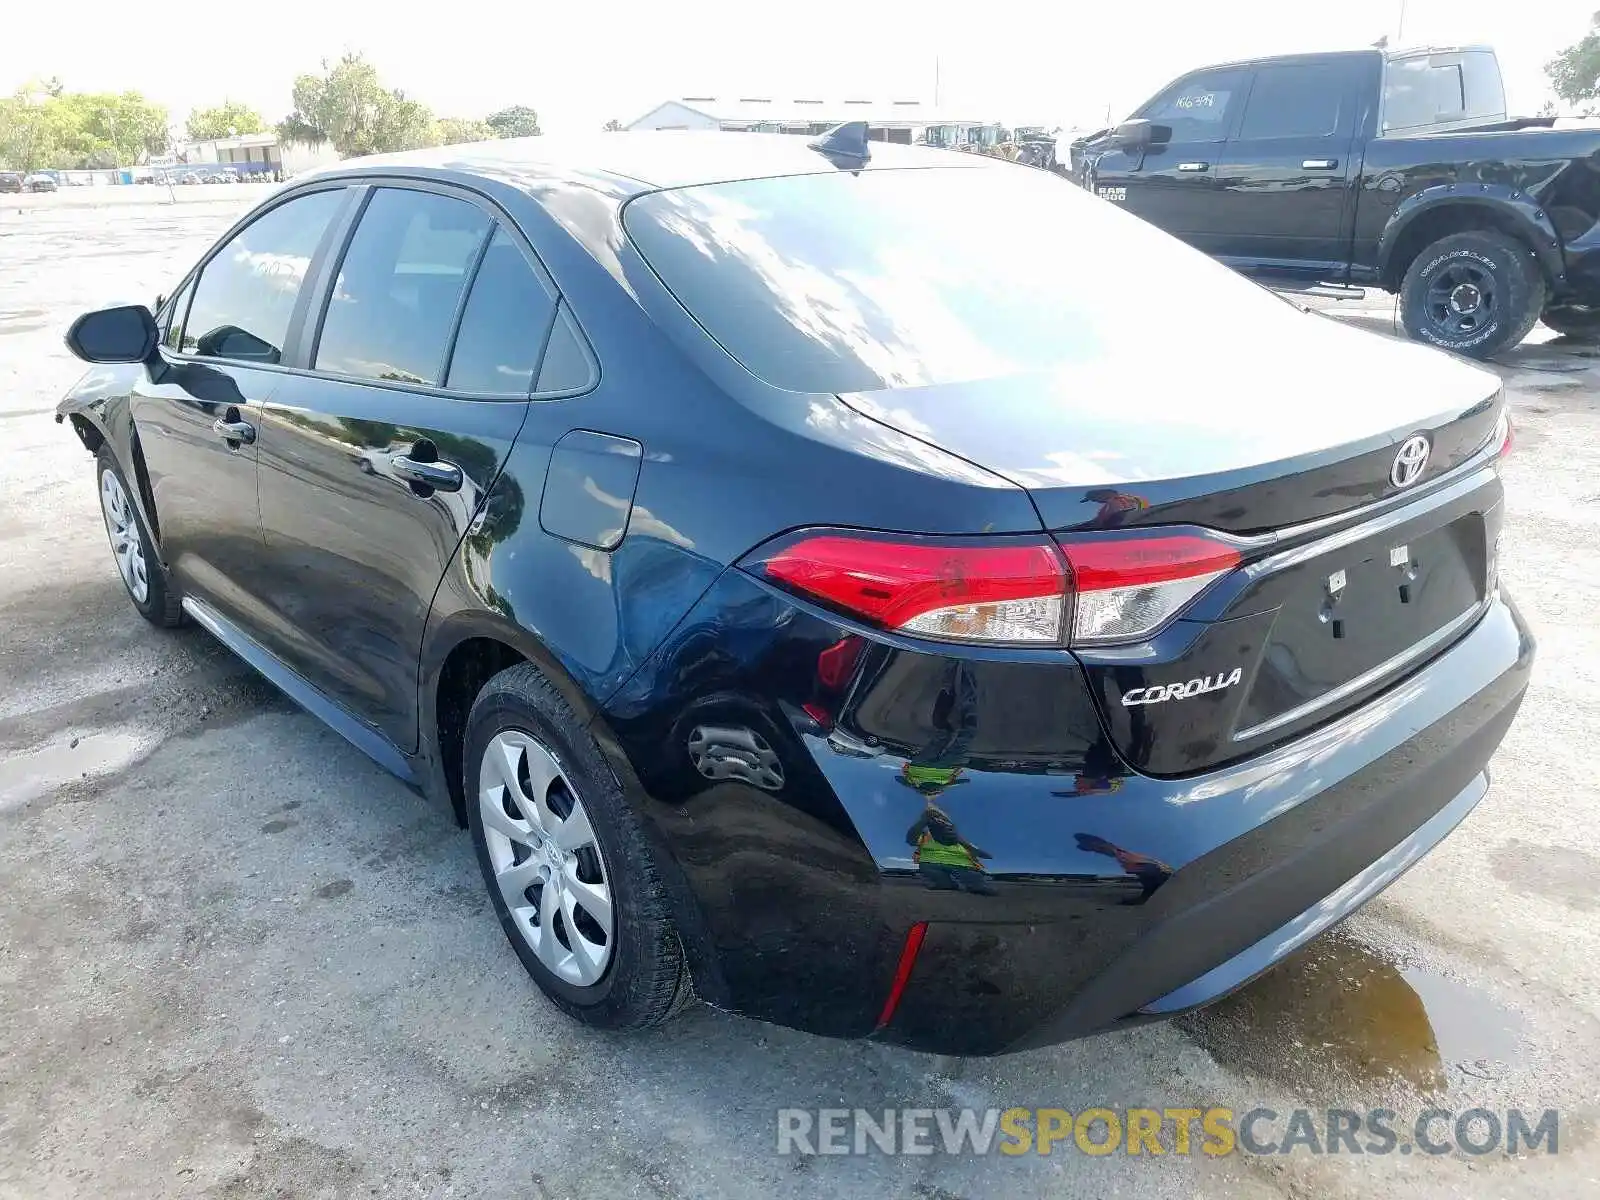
566 861
1580 322
142 575
1473 293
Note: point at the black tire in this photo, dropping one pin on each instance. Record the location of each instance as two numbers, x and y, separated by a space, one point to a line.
1581 322
646 980
1495 270
161 606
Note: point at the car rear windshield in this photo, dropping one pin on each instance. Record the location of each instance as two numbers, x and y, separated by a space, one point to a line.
902 278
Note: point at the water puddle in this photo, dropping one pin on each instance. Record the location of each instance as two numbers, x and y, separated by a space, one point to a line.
25 777
1336 1008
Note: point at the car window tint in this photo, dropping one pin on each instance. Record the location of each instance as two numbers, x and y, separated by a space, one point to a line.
1483 92
172 321
246 294
1294 101
395 299
1440 89
1196 109
841 283
504 325
566 366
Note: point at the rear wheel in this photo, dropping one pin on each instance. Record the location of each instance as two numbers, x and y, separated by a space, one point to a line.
142 575
565 859
1474 293
1578 321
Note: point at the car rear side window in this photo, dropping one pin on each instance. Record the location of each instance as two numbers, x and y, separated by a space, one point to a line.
246 293
567 366
399 287
839 282
1301 100
1196 109
504 326
1441 89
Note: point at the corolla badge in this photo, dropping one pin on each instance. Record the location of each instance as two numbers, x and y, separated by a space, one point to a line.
1181 691
1409 462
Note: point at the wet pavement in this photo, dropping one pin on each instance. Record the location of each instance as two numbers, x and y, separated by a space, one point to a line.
237 960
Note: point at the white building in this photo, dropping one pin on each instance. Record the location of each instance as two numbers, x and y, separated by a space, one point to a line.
252 153
888 120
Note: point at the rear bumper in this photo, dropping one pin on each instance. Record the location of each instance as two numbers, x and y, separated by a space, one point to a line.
1305 836
1101 896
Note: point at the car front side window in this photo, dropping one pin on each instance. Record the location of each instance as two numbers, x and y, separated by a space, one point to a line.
1197 108
172 319
246 293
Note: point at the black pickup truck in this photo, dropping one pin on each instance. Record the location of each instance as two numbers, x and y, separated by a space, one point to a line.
1384 169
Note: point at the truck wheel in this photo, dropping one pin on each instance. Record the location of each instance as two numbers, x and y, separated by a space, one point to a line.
1578 321
1474 293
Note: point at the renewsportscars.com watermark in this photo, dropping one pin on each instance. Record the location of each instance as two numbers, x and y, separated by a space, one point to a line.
1214 1132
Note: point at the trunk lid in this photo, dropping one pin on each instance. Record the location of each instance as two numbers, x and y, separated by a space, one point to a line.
1301 427
1329 605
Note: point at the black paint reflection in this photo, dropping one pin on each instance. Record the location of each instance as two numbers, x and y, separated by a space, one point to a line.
1150 872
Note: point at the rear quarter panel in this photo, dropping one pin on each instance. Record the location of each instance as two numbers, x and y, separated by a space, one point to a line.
1541 181
724 464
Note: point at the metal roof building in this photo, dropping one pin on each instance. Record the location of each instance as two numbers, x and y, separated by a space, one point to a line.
889 120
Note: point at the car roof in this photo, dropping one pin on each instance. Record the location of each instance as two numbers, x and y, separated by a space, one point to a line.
631 162
1388 55
1274 59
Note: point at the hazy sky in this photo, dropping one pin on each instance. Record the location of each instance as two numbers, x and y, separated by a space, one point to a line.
580 63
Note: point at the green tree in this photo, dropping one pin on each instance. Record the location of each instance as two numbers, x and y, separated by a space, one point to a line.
224 120
517 121
613 126
27 136
349 106
104 130
1575 72
43 127
452 131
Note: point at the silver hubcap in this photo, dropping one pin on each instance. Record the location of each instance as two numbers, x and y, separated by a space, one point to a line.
126 544
547 863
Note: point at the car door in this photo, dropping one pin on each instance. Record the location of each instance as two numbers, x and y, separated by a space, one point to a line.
197 414
375 461
1173 184
1287 171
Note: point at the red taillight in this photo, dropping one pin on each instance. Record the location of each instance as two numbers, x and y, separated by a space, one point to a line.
1014 591
979 590
1506 436
1128 587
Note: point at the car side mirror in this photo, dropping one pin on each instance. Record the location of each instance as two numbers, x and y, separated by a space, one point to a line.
126 334
1140 135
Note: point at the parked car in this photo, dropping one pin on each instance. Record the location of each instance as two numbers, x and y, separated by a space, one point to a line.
1395 170
40 182
838 621
10 181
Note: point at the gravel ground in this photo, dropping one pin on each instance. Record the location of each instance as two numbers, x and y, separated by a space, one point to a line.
238 960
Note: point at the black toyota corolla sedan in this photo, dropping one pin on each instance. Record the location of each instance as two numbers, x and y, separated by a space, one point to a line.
818 581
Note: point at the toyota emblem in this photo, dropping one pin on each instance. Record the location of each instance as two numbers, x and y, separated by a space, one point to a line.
1408 464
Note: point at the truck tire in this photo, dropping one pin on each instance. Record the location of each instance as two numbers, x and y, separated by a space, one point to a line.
1581 322
1473 293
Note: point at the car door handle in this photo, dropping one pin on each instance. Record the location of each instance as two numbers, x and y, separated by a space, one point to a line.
1319 164
238 432
1194 166
440 476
